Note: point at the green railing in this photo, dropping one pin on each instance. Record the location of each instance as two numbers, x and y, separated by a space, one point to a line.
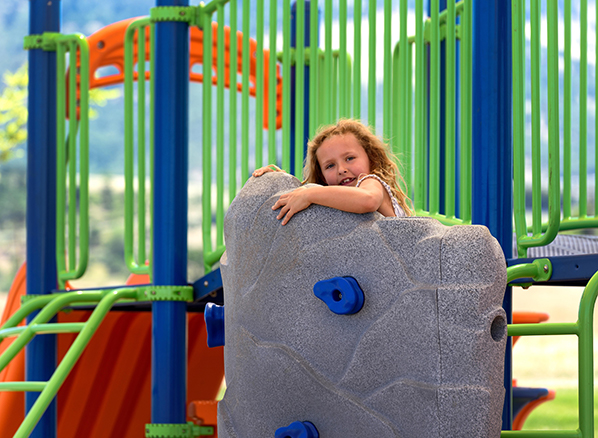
339 77
528 137
50 305
139 35
583 329
76 193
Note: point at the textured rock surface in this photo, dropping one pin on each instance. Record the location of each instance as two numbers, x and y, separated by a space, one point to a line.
423 358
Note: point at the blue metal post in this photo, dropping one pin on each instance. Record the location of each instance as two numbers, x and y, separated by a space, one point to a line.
492 139
306 76
169 319
40 357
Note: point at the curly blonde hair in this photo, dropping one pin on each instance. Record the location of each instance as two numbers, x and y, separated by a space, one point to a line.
377 151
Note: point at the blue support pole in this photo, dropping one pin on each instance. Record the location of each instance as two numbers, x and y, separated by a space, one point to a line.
40 357
492 141
305 96
169 319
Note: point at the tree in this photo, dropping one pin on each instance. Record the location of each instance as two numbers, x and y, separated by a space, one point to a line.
13 111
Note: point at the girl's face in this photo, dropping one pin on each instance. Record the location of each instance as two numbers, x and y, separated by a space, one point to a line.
342 160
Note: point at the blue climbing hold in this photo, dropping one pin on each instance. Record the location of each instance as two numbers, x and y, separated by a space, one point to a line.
214 317
342 295
297 429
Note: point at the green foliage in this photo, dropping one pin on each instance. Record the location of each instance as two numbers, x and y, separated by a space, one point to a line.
13 111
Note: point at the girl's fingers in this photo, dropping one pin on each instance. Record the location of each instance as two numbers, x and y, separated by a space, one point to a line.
269 168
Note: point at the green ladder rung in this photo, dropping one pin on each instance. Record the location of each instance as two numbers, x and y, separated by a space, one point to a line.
22 386
48 328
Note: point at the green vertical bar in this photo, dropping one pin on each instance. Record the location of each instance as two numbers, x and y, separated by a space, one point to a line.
449 141
465 130
344 98
401 132
335 90
72 160
220 129
286 86
245 94
141 145
518 43
372 65
207 140
84 161
420 108
313 68
583 113
567 116
329 101
536 140
299 86
387 81
434 110
272 85
233 55
259 87
128 85
60 163
357 59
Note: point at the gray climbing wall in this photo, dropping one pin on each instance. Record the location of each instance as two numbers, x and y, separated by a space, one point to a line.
423 358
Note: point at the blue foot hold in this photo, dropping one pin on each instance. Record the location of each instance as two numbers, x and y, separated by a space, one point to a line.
342 295
214 317
297 429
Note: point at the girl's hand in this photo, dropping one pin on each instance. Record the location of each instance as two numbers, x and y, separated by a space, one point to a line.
291 203
266 169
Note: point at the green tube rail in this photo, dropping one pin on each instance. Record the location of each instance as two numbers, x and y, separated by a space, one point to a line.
72 259
135 37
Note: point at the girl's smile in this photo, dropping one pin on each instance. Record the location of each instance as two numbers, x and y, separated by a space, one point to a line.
342 160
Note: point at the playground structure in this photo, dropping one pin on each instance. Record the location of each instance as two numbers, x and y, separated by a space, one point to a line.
452 107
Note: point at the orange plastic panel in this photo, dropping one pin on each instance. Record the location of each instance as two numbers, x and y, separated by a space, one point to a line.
528 318
519 420
106 49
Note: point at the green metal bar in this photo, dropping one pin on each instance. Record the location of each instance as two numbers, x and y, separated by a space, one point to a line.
541 433
207 141
22 386
545 329
141 145
72 158
567 115
245 94
211 7
419 193
139 26
335 89
259 87
313 68
405 107
220 128
450 102
344 98
52 328
434 110
357 12
536 141
286 86
232 127
299 86
60 164
372 64
387 81
583 105
70 358
466 104
538 270
272 112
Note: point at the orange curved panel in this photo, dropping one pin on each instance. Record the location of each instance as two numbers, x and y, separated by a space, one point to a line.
108 392
519 420
522 317
106 49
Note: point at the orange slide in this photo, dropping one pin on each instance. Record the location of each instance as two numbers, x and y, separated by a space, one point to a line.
108 392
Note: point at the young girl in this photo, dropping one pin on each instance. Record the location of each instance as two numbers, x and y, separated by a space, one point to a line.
354 171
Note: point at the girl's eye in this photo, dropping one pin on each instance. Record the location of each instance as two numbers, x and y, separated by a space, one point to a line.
350 158
329 166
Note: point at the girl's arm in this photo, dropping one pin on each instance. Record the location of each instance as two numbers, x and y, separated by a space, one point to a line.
266 169
366 198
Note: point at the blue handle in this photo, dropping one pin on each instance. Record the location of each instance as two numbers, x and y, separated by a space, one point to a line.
297 429
342 295
214 317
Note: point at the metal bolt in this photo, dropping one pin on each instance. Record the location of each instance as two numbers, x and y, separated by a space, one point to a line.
177 292
182 13
206 283
153 292
546 268
145 293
